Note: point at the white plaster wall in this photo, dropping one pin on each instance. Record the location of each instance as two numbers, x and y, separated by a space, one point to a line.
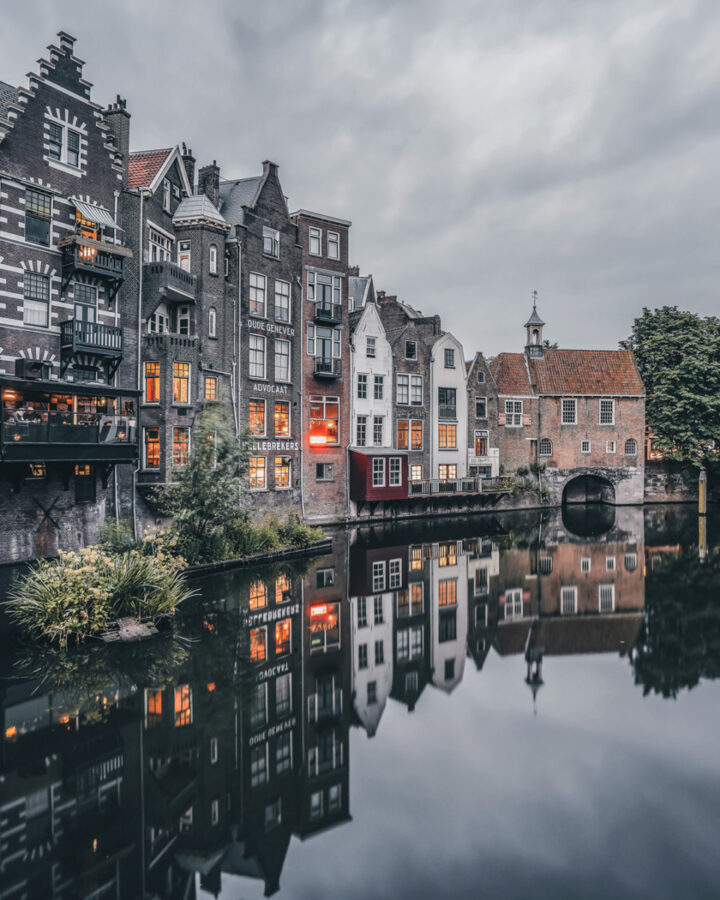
370 714
370 325
449 378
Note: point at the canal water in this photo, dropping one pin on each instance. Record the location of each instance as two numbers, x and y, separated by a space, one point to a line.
523 705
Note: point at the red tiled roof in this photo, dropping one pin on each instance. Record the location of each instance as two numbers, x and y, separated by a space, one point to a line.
144 165
510 373
468 365
586 372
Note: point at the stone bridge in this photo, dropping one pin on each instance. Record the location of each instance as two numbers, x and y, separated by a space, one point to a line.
618 485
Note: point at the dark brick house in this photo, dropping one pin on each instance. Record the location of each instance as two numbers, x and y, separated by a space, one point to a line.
482 401
67 365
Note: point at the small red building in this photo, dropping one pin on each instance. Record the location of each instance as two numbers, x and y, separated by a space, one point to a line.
378 474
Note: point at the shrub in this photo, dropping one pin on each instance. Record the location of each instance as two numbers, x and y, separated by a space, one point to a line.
522 471
116 536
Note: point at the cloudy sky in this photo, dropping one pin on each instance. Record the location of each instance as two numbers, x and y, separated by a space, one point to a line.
482 149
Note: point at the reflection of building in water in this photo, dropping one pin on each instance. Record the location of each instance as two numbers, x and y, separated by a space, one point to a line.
483 566
449 586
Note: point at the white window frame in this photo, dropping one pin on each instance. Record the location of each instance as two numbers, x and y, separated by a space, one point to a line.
416 380
378 577
585 447
585 564
257 287
568 593
611 420
610 564
315 234
402 389
611 589
371 342
514 412
395 477
281 344
378 471
283 295
564 419
273 236
212 322
260 342
394 575
413 471
378 434
333 242
212 259
611 447
513 603
635 444
540 448
167 194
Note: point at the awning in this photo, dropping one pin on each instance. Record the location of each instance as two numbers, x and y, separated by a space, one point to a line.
95 214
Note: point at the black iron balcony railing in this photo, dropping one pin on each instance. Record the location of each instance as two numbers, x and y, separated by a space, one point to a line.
38 436
100 258
326 367
170 281
78 335
460 486
328 312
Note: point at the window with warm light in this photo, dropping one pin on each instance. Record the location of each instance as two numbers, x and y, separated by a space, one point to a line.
153 707
481 439
324 419
416 558
447 554
256 419
152 382
210 387
416 472
282 472
257 473
282 589
258 644
282 637
152 448
181 382
258 595
183 705
447 472
181 446
447 436
447 592
282 418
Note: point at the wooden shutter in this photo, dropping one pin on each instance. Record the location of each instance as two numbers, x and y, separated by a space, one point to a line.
526 418
501 418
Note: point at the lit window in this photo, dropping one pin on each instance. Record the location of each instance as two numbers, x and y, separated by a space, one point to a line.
257 473
282 418
415 472
183 705
324 418
181 382
607 412
153 707
447 553
416 558
282 472
181 445
333 245
258 595
152 448
210 387
258 644
282 589
282 637
256 359
36 299
256 420
271 242
447 436
447 472
257 294
402 434
416 432
569 412
481 439
152 382
447 592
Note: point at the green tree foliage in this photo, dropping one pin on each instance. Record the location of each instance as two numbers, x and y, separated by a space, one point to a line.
678 355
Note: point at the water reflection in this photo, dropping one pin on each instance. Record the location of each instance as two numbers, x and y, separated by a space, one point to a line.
190 762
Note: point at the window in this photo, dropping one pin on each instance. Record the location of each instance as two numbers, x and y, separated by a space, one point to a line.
273 812
410 349
395 573
585 446
362 611
258 764
416 390
55 140
378 576
212 322
362 387
282 301
545 565
226 265
378 472
609 563
257 598
403 390
395 471
258 706
257 356
585 564
282 418
606 598
377 431
631 447
402 434
325 577
416 434
315 242
283 631
447 554
324 289
257 294
447 592
610 447
415 472
378 387
283 694
449 359
545 447
449 669
283 753
257 473
362 656
514 413
152 448
36 299
568 601
258 644
480 408
181 382
73 149
213 259
361 431
447 403
211 387
333 245
379 653
183 253
166 194
607 412
282 472
631 562
447 436
153 708
370 347
480 376
569 412
256 419
181 444
481 440
282 589
183 705
411 682
282 360
514 603
271 242
38 216
447 472
64 145
324 472
324 416
372 692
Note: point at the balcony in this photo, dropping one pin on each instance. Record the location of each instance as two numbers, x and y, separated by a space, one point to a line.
447 412
85 256
54 436
325 367
329 313
460 486
103 343
169 282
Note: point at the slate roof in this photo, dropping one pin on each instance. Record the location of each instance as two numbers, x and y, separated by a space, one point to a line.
589 372
234 195
534 319
511 374
144 165
8 94
357 285
199 206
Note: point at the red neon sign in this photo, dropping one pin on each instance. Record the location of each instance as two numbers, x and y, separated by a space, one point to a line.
318 610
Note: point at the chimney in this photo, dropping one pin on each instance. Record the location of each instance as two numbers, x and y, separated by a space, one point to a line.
209 182
189 163
118 118
269 168
354 271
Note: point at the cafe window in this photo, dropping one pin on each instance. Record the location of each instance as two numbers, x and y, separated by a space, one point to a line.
256 420
210 387
481 440
181 382
152 382
152 448
38 471
324 416
256 359
282 589
282 637
257 294
282 472
416 472
183 705
282 301
447 436
181 446
257 473
283 752
282 418
36 299
38 216
258 595
84 483
258 644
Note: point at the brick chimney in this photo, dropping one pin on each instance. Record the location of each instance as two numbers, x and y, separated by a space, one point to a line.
209 182
118 119
354 271
269 168
189 163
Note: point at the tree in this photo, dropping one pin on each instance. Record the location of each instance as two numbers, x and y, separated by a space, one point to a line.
210 490
550 346
678 355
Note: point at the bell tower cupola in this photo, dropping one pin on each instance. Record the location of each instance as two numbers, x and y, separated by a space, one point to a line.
534 328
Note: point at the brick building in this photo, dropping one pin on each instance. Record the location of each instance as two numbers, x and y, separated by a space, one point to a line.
325 364
67 363
482 405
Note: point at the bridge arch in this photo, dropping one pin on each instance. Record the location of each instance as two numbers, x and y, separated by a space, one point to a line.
588 488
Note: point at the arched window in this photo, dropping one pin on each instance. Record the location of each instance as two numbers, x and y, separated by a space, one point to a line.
545 447
212 321
213 259
631 447
535 336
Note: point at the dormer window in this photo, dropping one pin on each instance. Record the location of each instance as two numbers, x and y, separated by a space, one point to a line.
370 348
167 188
481 376
271 242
